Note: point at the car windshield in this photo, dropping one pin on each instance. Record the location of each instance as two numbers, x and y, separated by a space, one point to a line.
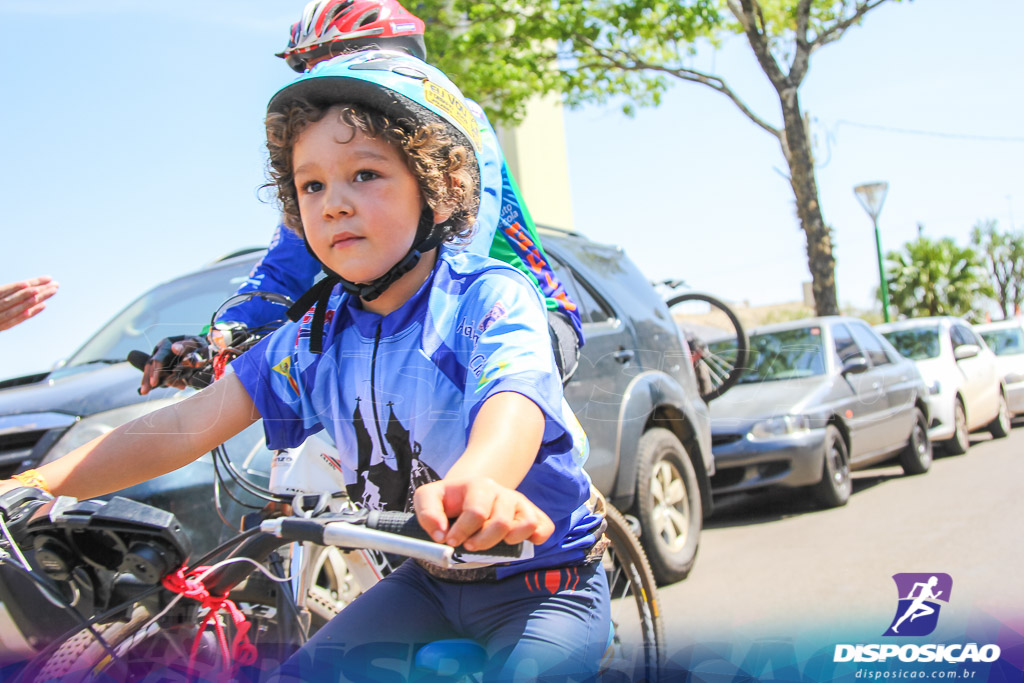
918 343
1006 342
182 306
788 354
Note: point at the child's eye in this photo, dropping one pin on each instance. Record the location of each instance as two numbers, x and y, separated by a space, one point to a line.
312 186
363 176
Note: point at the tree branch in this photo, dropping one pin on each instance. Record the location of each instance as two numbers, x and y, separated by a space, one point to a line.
836 31
748 11
625 61
802 52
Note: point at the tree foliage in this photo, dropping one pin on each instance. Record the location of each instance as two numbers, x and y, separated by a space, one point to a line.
936 277
502 52
1003 253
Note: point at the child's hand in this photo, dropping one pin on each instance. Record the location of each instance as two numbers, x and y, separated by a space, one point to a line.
487 513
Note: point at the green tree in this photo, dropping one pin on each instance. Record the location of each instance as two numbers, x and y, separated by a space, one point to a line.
1003 253
936 277
502 52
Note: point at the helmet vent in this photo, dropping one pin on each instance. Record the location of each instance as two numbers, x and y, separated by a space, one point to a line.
368 18
338 11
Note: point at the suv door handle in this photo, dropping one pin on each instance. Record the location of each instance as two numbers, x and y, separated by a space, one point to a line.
624 355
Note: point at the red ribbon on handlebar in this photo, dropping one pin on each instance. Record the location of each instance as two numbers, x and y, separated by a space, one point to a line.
190 585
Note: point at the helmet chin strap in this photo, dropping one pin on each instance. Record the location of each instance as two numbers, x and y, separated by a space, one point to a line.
428 237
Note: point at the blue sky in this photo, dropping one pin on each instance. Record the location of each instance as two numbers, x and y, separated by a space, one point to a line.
122 171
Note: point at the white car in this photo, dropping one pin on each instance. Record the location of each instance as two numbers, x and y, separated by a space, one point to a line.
1006 339
966 391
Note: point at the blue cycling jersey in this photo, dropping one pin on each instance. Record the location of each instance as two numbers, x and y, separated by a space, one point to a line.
399 393
288 268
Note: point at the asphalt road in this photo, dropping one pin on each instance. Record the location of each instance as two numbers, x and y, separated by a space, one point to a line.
774 566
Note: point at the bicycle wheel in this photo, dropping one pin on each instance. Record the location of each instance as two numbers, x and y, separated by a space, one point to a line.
637 646
142 648
718 344
334 585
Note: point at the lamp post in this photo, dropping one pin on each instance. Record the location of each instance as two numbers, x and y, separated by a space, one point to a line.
871 196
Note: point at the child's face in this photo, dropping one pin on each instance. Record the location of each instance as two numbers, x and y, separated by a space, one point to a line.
359 202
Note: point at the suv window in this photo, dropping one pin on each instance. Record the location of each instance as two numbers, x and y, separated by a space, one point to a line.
181 306
846 348
593 309
867 341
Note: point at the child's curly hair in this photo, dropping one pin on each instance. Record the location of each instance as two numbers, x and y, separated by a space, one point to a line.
438 160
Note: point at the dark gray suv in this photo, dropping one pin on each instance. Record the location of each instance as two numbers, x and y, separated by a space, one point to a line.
634 393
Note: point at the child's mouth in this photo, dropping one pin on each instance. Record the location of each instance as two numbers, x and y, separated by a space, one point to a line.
344 240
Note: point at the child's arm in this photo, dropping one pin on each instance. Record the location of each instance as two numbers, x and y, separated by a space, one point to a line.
479 488
153 444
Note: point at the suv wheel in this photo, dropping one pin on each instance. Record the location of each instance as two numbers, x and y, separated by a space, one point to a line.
668 504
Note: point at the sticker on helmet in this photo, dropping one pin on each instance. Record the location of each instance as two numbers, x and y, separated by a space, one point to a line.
452 105
403 28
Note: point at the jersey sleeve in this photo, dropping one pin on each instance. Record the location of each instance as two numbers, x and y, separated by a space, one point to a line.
509 349
287 268
272 373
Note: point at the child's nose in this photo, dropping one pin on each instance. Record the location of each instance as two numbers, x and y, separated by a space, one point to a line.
337 204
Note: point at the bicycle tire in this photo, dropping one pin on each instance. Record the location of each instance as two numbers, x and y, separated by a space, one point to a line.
145 651
719 370
632 586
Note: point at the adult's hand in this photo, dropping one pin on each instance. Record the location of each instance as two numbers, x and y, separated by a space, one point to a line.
162 368
19 301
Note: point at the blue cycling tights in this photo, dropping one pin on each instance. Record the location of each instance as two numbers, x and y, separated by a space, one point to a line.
545 625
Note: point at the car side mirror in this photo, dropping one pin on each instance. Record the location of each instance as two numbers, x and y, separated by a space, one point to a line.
966 351
855 366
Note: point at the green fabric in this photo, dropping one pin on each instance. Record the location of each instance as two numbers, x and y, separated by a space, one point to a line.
503 251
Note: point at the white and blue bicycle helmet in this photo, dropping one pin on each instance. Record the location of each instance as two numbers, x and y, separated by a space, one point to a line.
413 94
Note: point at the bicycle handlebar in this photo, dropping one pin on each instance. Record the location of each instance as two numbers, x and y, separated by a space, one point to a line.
346 534
390 532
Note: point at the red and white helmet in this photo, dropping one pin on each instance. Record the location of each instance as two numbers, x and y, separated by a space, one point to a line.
331 27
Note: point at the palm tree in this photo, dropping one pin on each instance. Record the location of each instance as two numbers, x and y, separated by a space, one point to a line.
936 277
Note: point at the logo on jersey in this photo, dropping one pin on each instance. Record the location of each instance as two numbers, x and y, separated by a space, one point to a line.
496 313
285 368
491 373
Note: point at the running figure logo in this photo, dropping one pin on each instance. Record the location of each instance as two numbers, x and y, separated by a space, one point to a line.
918 611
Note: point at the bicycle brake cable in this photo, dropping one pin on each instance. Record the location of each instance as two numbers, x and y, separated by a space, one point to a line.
220 478
243 481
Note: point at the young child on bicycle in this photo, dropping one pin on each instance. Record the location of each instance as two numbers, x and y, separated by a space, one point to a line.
503 229
432 370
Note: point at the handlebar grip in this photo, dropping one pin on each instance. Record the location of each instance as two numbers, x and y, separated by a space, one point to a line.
138 359
405 524
295 529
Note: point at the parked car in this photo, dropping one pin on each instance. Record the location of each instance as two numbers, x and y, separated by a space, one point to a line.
1006 339
966 391
820 397
634 393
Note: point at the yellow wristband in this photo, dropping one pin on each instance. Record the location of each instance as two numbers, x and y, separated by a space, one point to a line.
32 478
